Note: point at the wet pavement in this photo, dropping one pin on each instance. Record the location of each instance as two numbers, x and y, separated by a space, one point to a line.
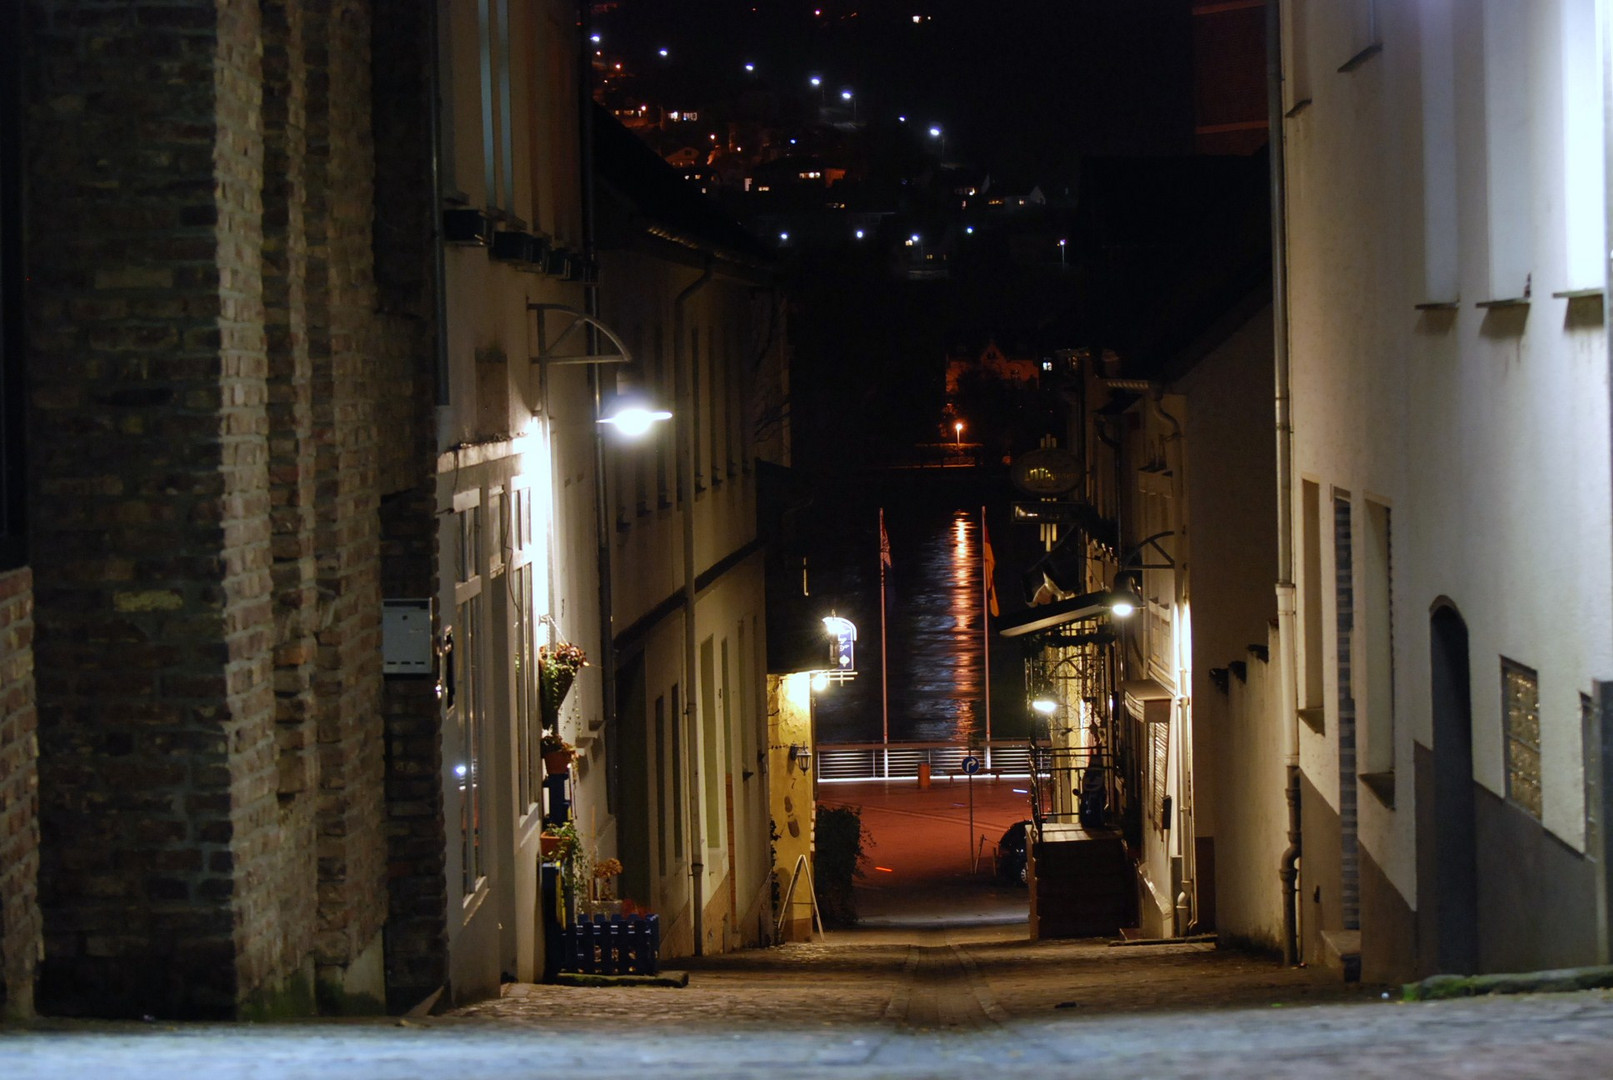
916 995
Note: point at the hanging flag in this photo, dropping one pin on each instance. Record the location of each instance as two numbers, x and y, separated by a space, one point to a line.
989 567
884 541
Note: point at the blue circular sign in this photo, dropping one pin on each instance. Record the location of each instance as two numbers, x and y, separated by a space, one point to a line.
971 765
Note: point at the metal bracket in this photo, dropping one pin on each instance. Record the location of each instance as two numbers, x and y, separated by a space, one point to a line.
548 353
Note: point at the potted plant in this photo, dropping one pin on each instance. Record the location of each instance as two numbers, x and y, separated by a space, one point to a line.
558 754
557 670
604 899
558 843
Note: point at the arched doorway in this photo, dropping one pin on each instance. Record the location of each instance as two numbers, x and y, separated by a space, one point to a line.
1455 840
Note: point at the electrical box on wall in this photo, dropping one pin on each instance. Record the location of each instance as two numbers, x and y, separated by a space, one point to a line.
406 642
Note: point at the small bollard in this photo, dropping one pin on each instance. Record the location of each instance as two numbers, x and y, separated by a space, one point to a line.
924 776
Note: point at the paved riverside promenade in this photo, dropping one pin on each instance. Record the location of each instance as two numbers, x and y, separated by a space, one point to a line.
916 994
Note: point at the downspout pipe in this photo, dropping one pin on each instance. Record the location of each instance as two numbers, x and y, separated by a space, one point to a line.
1599 838
1187 898
1288 700
686 435
596 380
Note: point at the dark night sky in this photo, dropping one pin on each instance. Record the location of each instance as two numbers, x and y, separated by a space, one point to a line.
1025 86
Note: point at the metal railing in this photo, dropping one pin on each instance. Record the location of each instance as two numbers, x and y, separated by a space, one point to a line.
901 761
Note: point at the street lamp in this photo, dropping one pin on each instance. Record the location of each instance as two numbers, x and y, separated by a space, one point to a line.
1061 254
957 432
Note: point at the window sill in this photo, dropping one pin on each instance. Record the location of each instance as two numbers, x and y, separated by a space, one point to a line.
1361 57
1381 784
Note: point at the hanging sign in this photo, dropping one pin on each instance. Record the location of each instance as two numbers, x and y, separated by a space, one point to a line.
1046 472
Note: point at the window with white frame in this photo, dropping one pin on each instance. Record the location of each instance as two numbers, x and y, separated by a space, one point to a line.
467 711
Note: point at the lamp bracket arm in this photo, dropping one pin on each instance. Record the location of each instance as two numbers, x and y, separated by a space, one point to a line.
548 353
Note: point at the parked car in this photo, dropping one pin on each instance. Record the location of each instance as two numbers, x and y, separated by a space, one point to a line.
1011 854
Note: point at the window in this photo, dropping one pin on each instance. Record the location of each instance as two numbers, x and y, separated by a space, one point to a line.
674 764
528 732
1520 724
696 427
1344 599
1362 27
1311 598
659 753
466 717
711 736
1509 151
1583 166
1440 229
663 438
1378 644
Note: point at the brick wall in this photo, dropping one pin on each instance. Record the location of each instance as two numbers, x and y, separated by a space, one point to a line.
19 800
206 502
347 681
406 352
285 269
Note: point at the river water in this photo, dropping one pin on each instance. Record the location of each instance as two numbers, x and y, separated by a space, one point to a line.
935 644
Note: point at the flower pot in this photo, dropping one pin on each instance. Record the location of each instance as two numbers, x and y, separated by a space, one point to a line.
549 845
556 762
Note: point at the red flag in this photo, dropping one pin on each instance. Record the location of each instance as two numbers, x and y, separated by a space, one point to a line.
988 567
884 541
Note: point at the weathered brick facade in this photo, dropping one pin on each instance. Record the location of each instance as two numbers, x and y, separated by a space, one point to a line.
19 798
205 495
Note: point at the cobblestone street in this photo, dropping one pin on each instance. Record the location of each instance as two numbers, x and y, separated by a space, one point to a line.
900 1004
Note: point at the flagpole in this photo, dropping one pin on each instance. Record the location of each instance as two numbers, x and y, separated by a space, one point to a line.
884 670
985 624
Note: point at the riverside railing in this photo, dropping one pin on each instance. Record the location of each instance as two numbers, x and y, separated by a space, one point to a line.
901 761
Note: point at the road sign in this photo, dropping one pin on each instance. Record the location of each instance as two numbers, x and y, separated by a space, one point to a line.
971 765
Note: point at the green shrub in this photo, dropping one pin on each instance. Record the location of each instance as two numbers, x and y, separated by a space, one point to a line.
837 862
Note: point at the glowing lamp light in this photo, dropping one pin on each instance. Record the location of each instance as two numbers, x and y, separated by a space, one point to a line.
820 681
1045 706
664 52
750 67
1123 599
634 421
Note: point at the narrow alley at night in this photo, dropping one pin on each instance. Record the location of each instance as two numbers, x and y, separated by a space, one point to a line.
807 538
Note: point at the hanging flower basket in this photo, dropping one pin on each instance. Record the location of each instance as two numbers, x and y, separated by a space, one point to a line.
557 670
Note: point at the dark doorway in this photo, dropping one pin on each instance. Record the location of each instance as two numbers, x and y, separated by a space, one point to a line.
1456 879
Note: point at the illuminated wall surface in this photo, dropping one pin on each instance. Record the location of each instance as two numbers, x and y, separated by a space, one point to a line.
1446 215
790 724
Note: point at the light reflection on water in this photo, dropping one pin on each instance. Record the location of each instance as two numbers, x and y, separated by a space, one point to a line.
934 632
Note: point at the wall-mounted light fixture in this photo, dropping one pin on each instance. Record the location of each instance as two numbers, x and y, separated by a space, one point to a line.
802 756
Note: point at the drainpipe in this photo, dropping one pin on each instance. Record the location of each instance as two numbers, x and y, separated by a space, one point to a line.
1596 766
1288 698
686 436
1187 904
596 379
